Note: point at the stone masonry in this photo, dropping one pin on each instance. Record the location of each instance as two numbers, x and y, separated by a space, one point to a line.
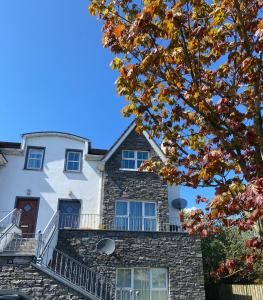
34 284
178 252
130 185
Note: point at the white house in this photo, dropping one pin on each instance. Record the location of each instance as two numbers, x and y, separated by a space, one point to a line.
50 171
48 168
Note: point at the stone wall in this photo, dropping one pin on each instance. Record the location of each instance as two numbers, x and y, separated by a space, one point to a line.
178 252
132 185
33 284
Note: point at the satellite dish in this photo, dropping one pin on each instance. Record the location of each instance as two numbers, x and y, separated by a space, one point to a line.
179 203
106 246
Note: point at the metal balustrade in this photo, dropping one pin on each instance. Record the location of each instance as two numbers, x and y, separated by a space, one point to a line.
12 218
14 243
77 275
51 226
127 223
139 294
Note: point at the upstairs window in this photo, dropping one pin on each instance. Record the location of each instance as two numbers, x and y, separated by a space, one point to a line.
132 160
73 160
34 158
135 215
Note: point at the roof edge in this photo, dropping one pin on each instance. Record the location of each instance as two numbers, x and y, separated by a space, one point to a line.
124 135
55 133
12 145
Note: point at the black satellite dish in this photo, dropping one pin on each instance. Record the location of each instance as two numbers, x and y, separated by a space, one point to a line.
106 246
179 203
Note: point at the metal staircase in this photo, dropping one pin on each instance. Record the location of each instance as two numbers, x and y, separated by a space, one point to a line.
68 270
50 260
76 275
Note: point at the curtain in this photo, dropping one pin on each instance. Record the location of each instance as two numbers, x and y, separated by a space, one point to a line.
135 215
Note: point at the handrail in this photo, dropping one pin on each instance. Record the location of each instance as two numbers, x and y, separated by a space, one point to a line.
49 235
77 275
13 218
122 223
53 222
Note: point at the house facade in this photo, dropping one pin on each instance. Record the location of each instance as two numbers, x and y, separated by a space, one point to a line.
96 218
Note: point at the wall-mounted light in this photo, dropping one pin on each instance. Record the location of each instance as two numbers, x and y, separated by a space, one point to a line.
70 193
28 192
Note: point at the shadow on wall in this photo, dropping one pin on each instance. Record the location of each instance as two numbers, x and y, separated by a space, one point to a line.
75 176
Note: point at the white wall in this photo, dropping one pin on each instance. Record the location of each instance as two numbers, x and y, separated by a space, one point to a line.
51 183
173 193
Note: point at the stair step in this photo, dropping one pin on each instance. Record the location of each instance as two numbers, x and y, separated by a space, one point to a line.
21 246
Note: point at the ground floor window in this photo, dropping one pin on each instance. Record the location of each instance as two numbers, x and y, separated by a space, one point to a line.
142 284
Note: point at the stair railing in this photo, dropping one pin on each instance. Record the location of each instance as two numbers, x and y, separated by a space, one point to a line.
77 275
13 218
49 235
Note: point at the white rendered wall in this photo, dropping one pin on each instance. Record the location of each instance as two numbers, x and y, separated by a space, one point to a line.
173 193
51 183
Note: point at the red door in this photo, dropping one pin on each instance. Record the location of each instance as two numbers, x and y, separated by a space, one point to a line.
29 207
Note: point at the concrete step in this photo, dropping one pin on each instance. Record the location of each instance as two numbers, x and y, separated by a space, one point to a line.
20 246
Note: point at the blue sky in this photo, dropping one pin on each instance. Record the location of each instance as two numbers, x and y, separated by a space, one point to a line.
55 74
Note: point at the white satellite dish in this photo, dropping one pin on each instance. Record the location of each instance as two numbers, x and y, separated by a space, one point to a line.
106 246
179 203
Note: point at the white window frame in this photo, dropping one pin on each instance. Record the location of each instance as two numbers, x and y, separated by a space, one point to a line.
135 159
152 289
32 148
143 212
68 151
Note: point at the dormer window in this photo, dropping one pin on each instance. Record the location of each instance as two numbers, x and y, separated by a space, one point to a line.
73 160
132 160
34 158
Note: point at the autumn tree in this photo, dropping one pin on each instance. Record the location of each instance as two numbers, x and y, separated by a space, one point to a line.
191 72
229 244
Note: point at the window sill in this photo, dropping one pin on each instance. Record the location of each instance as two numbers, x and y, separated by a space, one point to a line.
26 169
72 172
134 170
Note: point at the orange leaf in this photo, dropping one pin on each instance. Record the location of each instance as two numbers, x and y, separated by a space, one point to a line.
118 30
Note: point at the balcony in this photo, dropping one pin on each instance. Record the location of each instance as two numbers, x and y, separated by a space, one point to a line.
127 223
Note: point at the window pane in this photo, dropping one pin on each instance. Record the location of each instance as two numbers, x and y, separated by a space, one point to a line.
124 295
139 163
73 161
136 209
73 166
159 278
124 278
128 154
141 279
35 154
159 295
121 223
128 164
34 160
131 164
73 156
34 164
136 216
121 208
142 155
149 209
149 224
135 223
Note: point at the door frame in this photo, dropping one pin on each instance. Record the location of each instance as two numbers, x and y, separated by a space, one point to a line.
68 200
37 206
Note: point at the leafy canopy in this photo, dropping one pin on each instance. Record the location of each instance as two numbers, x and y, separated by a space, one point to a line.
191 72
